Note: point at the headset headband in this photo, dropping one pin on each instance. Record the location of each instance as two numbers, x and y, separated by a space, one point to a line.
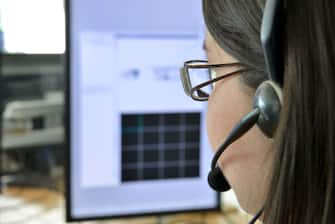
272 40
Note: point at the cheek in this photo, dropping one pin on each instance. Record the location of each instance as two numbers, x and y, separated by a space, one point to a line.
216 124
225 108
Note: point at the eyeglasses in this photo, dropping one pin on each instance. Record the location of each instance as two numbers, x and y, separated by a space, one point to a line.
199 78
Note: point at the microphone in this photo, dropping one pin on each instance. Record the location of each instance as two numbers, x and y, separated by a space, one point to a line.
216 179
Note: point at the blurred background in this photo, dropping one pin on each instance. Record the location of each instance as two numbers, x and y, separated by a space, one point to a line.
32 148
32 45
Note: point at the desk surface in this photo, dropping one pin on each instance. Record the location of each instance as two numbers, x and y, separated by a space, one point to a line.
37 206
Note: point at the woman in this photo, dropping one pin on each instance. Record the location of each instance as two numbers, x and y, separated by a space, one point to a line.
290 175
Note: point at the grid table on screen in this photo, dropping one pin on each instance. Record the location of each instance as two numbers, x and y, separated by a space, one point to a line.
160 146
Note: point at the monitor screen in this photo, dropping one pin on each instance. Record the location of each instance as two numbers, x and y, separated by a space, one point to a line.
138 144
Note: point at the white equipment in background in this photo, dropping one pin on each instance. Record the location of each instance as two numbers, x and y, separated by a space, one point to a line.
30 123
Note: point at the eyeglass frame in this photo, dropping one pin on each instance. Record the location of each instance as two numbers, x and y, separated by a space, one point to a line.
186 81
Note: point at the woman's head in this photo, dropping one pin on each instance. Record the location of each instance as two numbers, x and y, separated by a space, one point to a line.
292 174
246 161
233 36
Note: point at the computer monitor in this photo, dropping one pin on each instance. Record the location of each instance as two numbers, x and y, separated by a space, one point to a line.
137 143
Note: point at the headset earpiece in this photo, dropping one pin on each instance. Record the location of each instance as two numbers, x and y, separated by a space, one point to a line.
268 99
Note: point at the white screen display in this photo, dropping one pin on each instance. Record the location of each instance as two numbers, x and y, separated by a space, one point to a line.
138 144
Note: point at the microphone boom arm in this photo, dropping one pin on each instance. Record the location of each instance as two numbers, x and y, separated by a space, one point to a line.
243 126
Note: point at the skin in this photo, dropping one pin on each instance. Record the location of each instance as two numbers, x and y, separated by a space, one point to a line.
246 163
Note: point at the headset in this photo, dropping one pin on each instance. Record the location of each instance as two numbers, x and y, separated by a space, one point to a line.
268 98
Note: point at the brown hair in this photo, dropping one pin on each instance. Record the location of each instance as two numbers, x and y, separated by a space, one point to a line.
303 175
